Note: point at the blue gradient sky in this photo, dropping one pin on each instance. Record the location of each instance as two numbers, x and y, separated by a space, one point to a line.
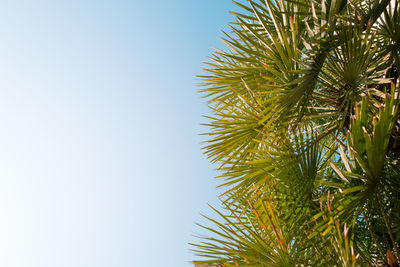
100 161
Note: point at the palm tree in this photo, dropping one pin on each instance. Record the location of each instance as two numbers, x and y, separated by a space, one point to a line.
306 134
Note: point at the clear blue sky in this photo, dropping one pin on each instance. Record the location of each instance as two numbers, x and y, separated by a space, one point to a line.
100 161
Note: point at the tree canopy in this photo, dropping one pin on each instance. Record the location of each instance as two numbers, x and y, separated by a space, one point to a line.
306 134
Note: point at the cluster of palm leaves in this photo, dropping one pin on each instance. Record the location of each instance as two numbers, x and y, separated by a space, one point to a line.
306 134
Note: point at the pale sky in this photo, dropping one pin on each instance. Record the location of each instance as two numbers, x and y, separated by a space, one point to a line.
100 160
